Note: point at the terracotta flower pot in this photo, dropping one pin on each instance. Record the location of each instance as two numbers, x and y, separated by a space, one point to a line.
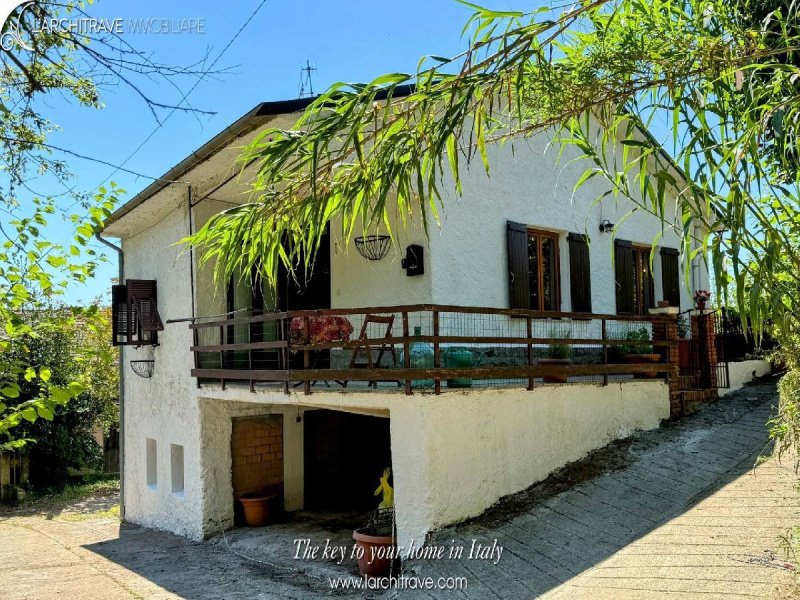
257 508
553 362
642 359
377 549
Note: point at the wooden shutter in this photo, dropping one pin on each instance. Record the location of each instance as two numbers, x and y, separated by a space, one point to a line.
580 281
143 302
670 279
624 277
120 315
518 276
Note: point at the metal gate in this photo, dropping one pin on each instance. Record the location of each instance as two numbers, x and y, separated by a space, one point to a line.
702 360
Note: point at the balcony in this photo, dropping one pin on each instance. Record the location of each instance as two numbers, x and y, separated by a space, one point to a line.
428 348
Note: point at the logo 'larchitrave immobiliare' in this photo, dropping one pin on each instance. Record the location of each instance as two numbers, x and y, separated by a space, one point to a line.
12 36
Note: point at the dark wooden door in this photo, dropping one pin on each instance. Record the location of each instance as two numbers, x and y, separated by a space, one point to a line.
345 455
307 288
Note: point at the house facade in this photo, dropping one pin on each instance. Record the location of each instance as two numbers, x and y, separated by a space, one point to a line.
229 389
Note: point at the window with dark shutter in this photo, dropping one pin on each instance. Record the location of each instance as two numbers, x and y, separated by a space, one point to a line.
135 320
634 281
120 315
518 278
624 277
579 273
670 276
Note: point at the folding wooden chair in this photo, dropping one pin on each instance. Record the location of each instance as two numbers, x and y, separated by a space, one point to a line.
380 345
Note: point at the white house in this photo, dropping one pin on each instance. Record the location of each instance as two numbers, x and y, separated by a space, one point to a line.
232 414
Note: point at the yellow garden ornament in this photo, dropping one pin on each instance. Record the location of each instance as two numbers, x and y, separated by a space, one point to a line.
386 490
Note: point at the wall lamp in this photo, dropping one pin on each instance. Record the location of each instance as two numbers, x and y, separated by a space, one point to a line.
606 226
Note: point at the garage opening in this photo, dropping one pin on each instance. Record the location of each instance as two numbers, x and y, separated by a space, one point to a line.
257 459
345 455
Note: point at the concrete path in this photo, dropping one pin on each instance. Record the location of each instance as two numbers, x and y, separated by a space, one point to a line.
674 513
688 517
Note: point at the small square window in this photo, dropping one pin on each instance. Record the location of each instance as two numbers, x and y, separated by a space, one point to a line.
152 463
176 462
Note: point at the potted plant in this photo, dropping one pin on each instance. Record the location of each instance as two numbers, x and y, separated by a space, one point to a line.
257 507
557 354
375 542
700 298
638 354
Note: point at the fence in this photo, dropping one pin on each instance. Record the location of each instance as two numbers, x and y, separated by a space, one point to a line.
426 347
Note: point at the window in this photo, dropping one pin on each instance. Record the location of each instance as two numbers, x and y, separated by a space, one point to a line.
176 468
580 282
533 268
134 313
670 278
152 463
634 281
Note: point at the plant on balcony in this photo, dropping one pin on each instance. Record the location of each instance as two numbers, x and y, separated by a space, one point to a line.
375 542
683 327
557 354
639 353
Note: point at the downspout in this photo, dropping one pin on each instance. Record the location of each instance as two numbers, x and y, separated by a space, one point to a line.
121 262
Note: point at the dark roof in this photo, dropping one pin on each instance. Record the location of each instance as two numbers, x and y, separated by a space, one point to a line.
246 123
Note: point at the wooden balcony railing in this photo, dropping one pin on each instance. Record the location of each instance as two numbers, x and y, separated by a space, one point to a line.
507 347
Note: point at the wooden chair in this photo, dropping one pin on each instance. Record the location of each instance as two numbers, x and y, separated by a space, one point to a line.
380 345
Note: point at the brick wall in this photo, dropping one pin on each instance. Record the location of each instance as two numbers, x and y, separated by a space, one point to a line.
666 329
257 453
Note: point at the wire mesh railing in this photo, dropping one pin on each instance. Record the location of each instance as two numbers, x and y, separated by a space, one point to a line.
427 348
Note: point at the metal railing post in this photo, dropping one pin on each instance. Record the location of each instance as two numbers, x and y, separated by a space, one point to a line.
604 335
406 352
437 359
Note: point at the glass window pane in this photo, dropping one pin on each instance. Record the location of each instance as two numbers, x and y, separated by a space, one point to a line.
548 274
533 270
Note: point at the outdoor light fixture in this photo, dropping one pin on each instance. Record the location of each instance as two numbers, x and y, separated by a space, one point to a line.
606 226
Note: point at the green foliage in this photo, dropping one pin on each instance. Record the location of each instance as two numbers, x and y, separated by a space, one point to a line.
560 351
57 497
785 426
683 327
640 334
64 381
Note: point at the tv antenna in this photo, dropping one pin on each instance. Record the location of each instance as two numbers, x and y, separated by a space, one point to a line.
306 87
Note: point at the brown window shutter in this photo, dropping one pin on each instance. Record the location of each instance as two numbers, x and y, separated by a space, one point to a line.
670 276
580 280
625 277
120 316
143 302
518 275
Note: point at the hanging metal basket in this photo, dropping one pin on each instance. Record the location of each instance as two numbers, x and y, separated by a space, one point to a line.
143 368
373 247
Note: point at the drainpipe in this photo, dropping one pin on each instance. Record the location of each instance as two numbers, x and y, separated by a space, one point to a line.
121 261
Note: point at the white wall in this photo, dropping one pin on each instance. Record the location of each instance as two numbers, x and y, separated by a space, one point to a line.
743 372
455 455
527 184
356 281
161 407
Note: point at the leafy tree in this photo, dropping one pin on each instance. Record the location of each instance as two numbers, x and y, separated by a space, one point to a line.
598 74
76 349
36 63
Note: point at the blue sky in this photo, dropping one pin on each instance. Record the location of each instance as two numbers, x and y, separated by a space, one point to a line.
345 41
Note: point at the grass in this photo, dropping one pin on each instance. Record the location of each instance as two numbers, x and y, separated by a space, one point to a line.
91 486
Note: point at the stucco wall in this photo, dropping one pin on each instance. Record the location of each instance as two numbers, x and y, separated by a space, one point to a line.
356 281
529 184
215 452
160 408
743 372
455 455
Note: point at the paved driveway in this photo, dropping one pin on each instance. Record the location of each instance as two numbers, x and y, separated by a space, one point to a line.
675 513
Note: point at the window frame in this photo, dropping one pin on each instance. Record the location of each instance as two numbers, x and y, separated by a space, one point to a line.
641 256
554 237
